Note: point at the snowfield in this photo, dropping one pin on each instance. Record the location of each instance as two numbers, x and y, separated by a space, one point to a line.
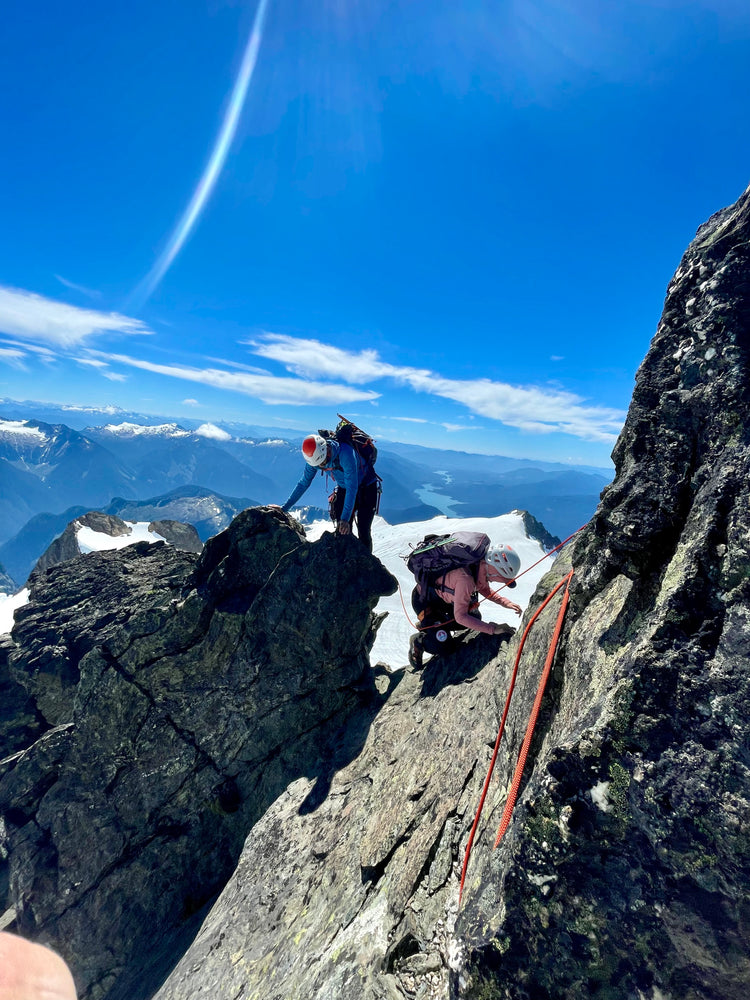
8 604
97 541
21 432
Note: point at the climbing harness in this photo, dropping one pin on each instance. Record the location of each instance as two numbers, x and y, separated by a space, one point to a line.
515 784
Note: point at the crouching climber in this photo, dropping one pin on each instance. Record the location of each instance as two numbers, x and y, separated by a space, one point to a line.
452 571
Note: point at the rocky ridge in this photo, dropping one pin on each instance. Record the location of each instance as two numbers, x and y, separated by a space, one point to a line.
626 867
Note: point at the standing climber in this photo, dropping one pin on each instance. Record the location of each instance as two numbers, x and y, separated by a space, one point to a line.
357 484
449 600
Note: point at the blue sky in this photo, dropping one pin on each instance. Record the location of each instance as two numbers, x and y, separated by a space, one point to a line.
453 222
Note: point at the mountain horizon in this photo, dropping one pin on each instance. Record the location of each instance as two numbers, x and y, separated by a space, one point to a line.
49 469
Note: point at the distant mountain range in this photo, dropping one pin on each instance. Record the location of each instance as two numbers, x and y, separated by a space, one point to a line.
48 467
132 466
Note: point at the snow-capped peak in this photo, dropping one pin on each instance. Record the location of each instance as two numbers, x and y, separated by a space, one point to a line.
139 430
21 429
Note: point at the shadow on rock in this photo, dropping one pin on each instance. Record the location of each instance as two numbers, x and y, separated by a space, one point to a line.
373 690
475 652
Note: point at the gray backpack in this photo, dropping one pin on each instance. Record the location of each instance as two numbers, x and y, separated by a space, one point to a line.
436 554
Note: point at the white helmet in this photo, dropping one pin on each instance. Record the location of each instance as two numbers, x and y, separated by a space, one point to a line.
504 560
315 449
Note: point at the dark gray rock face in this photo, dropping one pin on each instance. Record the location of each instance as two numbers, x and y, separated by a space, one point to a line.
346 888
20 722
192 708
182 536
535 529
626 872
7 585
76 605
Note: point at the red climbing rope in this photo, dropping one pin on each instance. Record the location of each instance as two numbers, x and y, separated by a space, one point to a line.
564 582
511 800
548 554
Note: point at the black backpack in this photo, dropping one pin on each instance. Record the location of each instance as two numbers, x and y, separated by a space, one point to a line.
348 433
436 554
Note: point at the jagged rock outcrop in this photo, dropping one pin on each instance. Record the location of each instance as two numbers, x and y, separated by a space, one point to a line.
19 718
71 610
182 536
192 710
7 584
535 529
626 872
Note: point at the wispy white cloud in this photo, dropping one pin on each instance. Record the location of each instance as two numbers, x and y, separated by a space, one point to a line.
533 409
412 420
103 368
90 293
312 358
267 388
28 348
36 319
190 402
13 357
228 363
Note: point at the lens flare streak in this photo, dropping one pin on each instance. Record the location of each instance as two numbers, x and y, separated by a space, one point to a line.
215 164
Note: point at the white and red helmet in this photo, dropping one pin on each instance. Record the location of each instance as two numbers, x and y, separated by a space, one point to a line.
315 449
505 560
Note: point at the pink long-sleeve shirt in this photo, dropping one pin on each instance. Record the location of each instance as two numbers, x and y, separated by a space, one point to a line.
457 587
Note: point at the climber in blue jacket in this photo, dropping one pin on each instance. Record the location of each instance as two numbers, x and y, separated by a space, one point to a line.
357 484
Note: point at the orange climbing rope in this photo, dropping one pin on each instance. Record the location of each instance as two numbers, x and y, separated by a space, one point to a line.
511 800
532 721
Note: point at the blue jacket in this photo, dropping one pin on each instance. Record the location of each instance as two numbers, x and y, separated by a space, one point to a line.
349 470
